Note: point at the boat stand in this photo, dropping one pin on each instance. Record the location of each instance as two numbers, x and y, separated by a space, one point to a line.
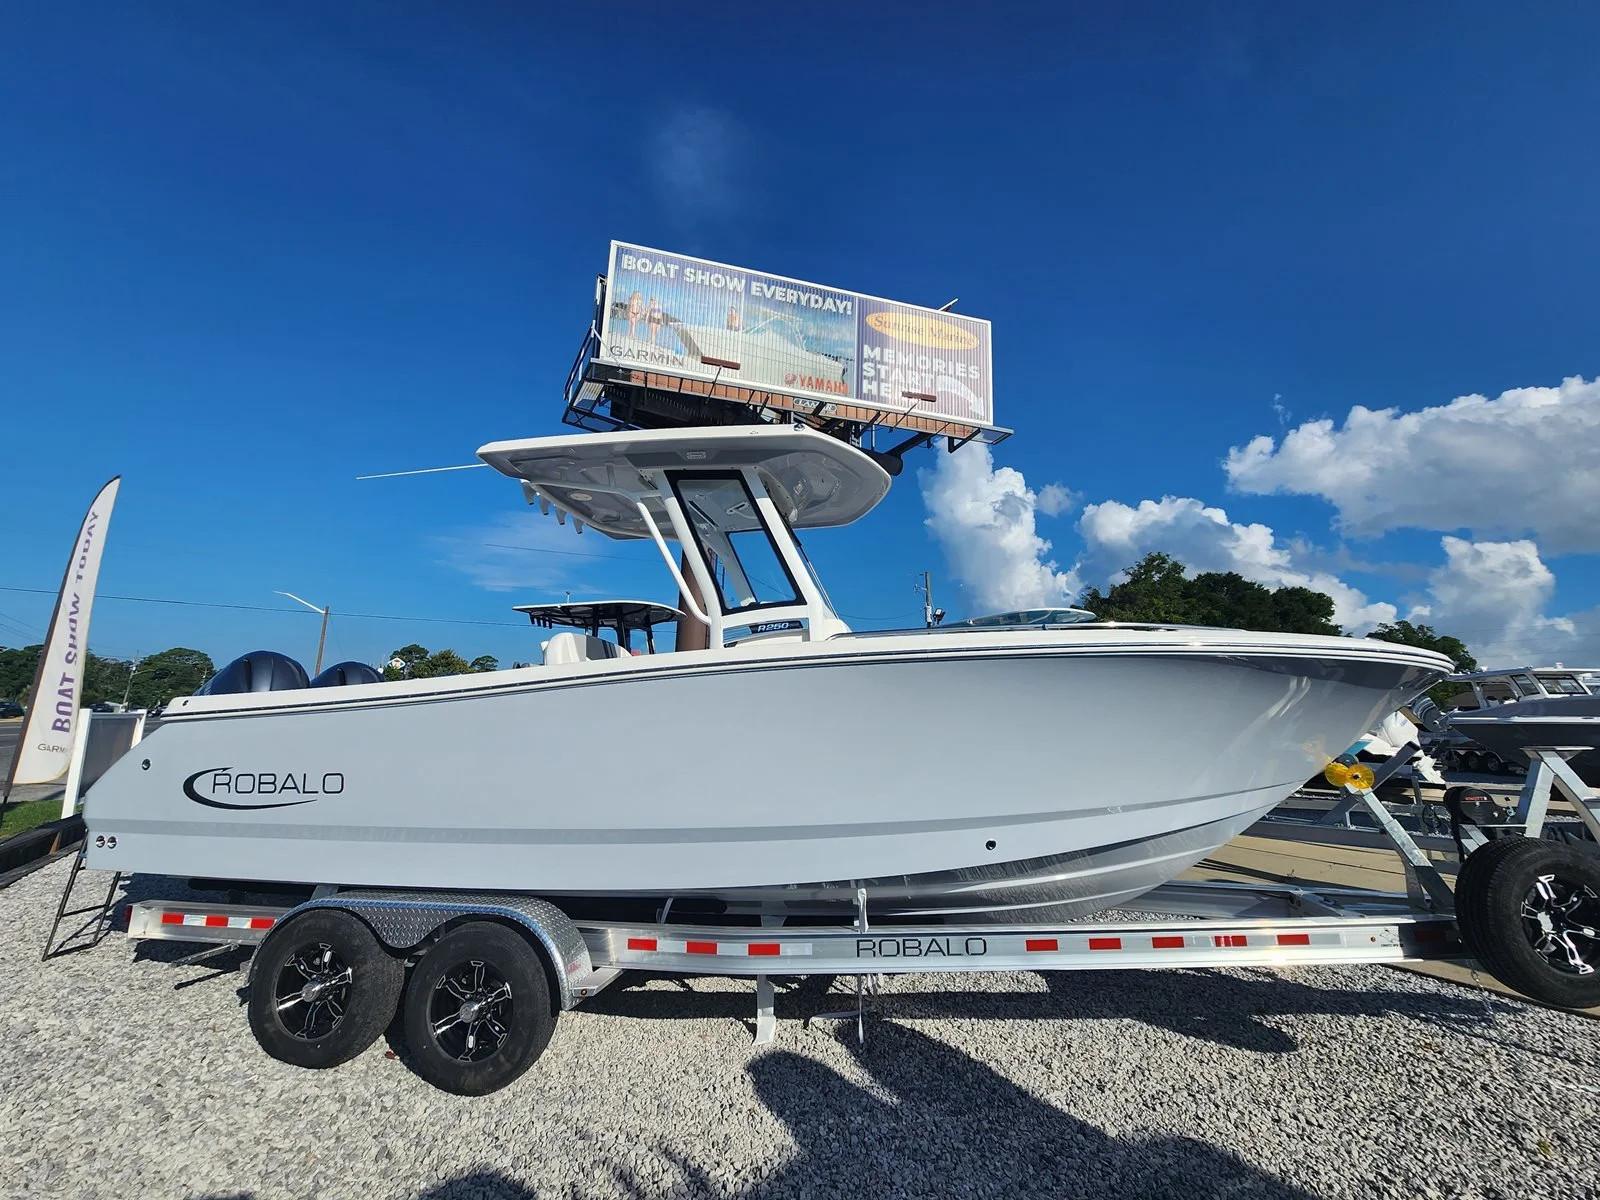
1425 885
868 987
1549 770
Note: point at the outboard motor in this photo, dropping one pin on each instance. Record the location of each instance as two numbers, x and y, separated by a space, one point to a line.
345 673
258 671
1429 715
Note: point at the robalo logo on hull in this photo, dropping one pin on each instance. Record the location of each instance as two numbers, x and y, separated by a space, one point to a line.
260 789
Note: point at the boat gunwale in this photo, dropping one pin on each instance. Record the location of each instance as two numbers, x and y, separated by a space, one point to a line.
778 656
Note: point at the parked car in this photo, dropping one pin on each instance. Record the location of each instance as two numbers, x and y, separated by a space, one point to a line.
10 708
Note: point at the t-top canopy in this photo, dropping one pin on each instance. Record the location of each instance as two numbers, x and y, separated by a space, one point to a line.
816 480
600 614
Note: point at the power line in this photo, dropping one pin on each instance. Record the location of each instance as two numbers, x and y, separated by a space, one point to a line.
16 624
267 609
343 615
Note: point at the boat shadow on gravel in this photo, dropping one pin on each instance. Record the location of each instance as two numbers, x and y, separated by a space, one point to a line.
932 1121
1232 1008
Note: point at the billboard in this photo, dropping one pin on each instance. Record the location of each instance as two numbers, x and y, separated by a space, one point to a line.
706 320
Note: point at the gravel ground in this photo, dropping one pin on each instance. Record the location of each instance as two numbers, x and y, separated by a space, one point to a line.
123 1075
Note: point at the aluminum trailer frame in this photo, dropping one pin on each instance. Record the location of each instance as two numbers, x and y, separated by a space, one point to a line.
1549 774
1229 925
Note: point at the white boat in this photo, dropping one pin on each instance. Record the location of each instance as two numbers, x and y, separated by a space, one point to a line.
1047 769
771 351
1509 711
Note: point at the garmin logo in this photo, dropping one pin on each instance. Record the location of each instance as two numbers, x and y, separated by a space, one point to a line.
240 788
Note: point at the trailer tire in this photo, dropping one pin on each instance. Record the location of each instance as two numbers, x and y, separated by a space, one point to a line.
322 989
1470 879
477 1009
1540 929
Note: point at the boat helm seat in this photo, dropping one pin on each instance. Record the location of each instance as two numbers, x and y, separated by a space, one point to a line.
258 671
565 648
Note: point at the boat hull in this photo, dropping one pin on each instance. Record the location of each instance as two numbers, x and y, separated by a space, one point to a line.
1509 729
957 774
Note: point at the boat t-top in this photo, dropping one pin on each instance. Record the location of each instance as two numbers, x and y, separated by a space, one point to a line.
790 762
621 618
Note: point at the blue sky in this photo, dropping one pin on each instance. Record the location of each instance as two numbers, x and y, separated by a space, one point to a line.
251 252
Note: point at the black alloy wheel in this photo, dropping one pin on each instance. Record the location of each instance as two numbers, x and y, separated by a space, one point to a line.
322 989
477 1010
1539 927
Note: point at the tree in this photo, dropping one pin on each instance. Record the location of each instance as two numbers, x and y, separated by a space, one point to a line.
1154 590
103 678
444 662
155 680
418 662
408 656
178 671
1302 610
1157 589
1428 638
17 665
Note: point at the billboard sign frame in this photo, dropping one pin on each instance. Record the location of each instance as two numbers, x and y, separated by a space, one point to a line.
679 315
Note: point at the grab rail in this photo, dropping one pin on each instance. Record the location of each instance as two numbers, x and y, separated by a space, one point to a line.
672 565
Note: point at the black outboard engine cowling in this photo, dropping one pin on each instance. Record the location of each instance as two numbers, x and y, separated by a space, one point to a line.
346 673
258 671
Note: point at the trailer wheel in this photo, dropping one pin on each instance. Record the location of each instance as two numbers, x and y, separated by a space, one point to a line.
1540 931
1470 879
477 1010
322 989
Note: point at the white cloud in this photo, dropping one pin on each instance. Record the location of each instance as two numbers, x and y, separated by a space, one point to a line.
1056 498
1518 464
984 517
1202 537
1492 595
695 155
525 552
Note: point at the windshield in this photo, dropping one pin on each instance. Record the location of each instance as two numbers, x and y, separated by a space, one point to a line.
1563 685
1525 685
739 552
1027 616
816 579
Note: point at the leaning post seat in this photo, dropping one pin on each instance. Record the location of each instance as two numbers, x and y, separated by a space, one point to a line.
258 671
566 648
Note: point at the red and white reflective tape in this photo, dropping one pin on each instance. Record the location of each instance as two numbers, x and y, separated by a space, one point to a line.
1194 941
217 920
734 949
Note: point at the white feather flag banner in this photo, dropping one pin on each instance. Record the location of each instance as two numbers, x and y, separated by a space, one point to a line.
55 715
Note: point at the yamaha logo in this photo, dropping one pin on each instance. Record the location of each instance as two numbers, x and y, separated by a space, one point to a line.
223 787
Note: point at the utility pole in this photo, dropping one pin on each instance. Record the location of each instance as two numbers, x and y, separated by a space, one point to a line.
931 616
322 641
132 670
322 638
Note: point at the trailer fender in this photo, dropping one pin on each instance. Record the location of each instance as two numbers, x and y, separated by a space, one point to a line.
404 920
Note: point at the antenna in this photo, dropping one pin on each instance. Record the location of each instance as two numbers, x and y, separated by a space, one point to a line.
424 471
